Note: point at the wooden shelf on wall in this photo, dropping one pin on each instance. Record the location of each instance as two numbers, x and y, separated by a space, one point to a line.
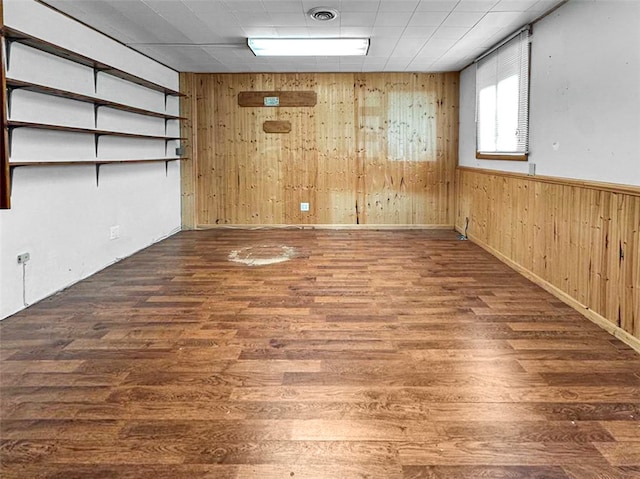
97 163
12 124
15 36
16 164
12 36
13 84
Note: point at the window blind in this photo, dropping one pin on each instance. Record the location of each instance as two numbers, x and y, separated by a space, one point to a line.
502 98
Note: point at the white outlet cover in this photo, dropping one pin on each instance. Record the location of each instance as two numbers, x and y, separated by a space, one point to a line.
304 206
114 232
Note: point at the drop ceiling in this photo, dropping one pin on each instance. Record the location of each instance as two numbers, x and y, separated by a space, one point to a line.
211 35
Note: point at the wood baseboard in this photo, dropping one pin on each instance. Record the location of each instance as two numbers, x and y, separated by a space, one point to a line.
594 317
329 227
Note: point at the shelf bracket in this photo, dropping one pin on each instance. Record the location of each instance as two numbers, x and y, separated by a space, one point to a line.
96 71
11 168
10 129
98 165
166 168
10 89
9 43
95 116
95 80
97 141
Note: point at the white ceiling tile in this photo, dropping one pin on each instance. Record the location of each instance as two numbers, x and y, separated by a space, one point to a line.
513 5
288 6
293 31
211 7
475 5
380 61
435 50
353 32
229 34
251 19
108 19
212 13
309 4
490 41
426 56
287 19
221 55
267 32
395 67
440 44
351 60
408 47
398 5
462 19
185 20
382 46
398 30
399 60
436 5
388 32
419 65
255 6
427 19
544 6
325 31
356 19
501 19
449 33
393 19
418 32
359 5
482 31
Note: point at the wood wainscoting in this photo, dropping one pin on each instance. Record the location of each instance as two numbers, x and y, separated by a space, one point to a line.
580 240
376 149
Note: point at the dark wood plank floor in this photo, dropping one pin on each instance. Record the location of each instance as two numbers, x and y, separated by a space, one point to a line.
403 354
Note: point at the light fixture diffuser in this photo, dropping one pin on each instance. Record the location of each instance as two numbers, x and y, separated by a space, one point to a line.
309 47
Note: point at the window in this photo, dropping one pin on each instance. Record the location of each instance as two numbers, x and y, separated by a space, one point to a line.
502 101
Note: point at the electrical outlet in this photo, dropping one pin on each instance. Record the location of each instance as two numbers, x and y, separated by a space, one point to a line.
114 232
532 169
23 258
304 206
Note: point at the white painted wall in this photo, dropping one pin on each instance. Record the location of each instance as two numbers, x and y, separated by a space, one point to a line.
58 214
584 96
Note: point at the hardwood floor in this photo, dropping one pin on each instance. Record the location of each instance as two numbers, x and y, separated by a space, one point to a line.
369 354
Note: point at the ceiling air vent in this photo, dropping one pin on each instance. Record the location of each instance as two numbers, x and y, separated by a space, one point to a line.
323 14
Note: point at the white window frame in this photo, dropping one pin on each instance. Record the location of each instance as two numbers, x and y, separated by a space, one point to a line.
502 99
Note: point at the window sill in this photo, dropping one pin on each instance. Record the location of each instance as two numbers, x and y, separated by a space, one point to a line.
502 156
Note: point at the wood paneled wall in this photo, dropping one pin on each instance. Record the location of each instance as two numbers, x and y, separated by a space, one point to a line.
376 149
581 239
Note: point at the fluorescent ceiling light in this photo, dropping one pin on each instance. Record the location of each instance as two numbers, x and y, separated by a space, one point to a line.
309 47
